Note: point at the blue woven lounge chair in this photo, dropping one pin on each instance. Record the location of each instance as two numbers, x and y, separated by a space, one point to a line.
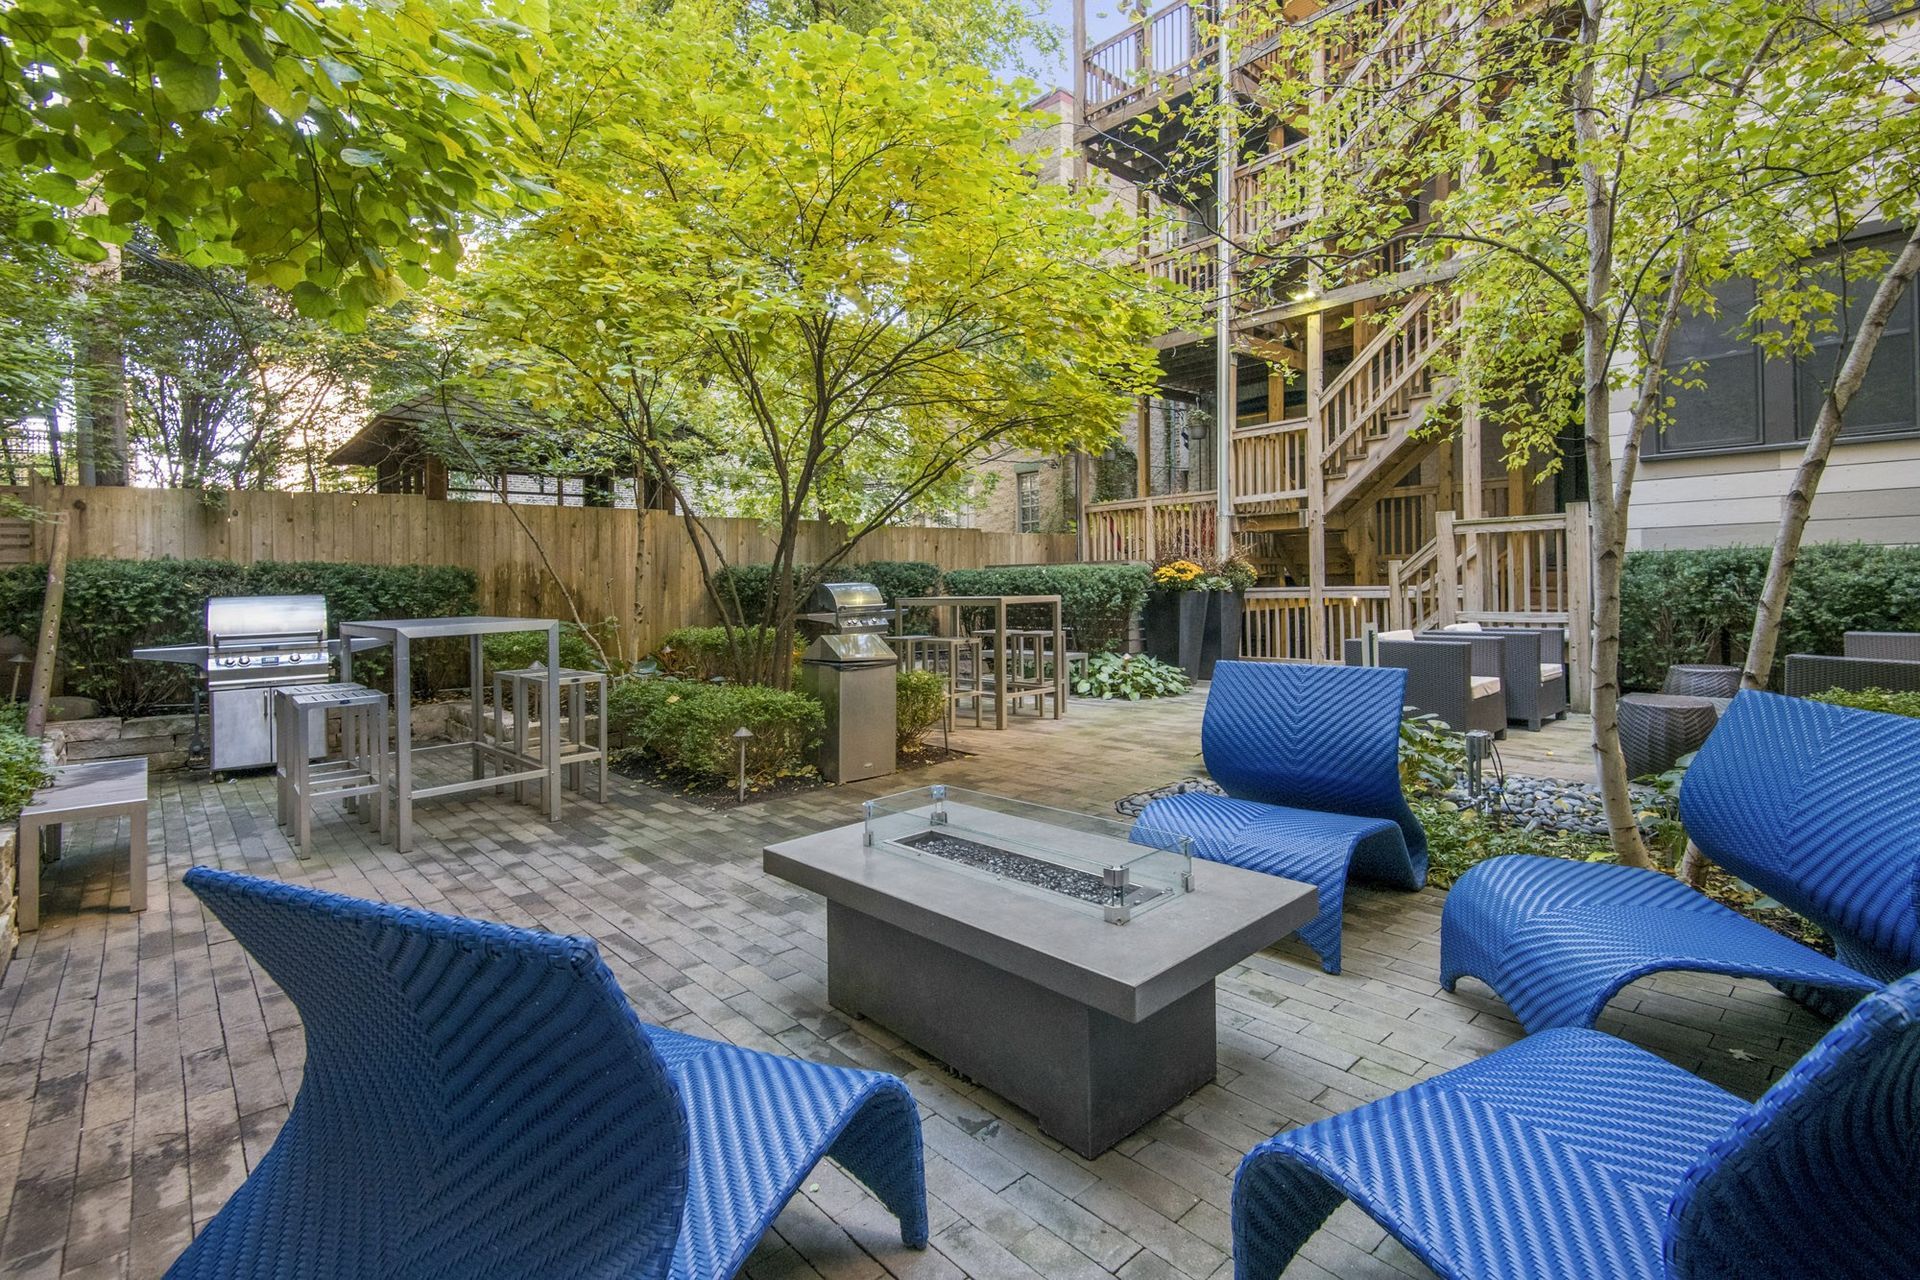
1309 757
1576 1155
1818 806
480 1101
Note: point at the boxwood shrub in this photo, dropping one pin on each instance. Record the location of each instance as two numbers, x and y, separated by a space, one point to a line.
702 653
920 701
687 726
114 606
1097 601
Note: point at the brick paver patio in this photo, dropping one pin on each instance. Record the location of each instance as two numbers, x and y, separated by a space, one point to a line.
145 1064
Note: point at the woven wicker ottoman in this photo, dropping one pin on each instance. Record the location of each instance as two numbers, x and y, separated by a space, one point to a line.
1702 680
1656 729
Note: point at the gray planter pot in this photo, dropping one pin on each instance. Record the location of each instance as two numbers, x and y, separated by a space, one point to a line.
1191 630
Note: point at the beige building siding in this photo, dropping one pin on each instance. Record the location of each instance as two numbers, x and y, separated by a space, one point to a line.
1870 493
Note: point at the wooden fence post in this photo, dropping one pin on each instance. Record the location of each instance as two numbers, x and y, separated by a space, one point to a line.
1447 608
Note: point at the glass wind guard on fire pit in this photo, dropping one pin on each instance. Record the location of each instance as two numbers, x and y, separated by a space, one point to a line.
1083 862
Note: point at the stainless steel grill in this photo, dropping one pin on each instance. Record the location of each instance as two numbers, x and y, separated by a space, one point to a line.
255 644
850 670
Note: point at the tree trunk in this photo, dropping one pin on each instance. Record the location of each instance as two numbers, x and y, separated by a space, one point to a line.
1607 509
1798 505
49 643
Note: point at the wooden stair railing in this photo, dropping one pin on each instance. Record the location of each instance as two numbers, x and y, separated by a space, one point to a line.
1385 380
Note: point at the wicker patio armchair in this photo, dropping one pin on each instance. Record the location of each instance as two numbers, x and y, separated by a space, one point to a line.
1456 681
1815 806
480 1103
1533 668
1901 646
1811 673
1573 1153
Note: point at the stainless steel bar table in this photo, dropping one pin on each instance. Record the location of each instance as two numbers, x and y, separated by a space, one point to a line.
1003 693
401 633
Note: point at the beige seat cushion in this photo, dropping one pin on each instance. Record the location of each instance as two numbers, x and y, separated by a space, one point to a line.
1395 635
1462 626
1484 686
1551 671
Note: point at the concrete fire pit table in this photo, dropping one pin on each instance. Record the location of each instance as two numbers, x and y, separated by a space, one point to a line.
991 963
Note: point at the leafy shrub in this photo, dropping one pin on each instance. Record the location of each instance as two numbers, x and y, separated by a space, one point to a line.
1097 601
21 772
114 606
1432 756
702 653
920 701
1131 676
688 726
1886 700
1697 605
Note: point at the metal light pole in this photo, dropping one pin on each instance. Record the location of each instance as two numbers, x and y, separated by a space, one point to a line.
742 736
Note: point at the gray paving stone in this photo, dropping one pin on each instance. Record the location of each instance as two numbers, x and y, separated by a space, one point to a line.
146 1063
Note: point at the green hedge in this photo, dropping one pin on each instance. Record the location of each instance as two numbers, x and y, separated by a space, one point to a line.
114 606
1697 605
1097 601
895 578
688 726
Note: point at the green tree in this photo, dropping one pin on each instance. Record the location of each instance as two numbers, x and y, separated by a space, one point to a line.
331 150
806 275
1585 176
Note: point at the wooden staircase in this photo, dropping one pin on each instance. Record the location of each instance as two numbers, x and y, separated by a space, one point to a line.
1372 410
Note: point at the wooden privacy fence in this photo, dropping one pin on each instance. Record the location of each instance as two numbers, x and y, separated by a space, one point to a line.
635 567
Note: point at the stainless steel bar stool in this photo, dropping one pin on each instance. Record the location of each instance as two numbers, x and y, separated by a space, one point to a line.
314 743
357 774
957 660
583 723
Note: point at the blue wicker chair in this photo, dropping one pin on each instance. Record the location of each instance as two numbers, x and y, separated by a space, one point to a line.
480 1101
1573 1154
1818 806
1309 757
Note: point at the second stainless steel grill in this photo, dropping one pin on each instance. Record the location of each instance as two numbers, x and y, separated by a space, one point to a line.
850 670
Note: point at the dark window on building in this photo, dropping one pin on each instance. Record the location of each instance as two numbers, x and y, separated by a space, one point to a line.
1744 401
1026 489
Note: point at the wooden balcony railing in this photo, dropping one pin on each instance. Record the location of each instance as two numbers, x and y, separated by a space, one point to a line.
1269 198
1193 266
1275 622
1149 528
1270 463
1167 45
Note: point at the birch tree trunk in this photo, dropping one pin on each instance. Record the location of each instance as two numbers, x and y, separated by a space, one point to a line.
1798 505
1607 505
